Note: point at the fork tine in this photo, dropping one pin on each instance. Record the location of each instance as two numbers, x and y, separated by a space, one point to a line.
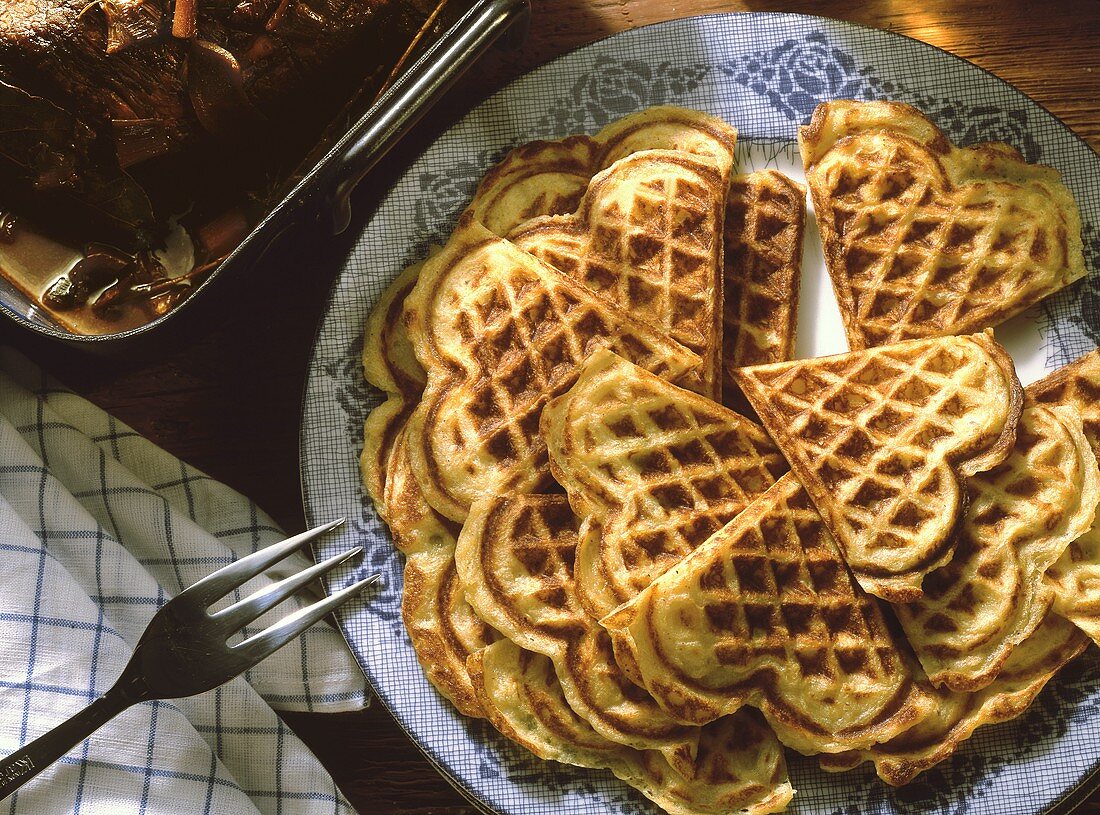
258 646
240 614
218 584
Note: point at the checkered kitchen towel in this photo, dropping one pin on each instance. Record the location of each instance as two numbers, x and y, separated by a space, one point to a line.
98 528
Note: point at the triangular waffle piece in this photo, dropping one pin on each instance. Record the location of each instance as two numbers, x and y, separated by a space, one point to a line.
880 438
500 333
442 626
924 239
515 558
762 260
740 766
1075 577
765 613
648 237
657 468
549 177
958 715
1021 516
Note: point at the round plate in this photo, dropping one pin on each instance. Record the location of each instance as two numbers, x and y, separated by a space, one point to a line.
764 73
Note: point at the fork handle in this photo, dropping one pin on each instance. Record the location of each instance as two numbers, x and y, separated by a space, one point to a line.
27 762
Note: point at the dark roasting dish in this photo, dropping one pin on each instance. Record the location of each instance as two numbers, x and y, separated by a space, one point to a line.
148 145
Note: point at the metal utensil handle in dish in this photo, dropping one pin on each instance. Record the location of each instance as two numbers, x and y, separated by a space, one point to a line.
416 90
183 651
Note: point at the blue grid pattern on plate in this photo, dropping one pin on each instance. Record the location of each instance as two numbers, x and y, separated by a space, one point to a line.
764 73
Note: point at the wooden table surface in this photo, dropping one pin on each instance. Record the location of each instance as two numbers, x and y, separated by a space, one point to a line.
223 392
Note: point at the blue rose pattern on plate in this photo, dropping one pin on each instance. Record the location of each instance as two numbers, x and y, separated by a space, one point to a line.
764 73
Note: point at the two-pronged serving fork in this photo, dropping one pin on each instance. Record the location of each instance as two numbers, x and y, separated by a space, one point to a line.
185 650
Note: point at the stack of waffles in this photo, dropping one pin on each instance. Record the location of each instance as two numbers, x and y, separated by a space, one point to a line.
640 538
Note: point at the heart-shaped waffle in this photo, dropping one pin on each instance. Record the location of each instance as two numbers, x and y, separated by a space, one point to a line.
499 334
648 236
1075 577
549 177
442 626
655 469
880 438
739 768
765 613
515 558
924 239
957 715
762 261
1021 516
389 364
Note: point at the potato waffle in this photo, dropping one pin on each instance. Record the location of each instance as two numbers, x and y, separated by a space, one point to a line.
442 626
500 333
957 715
765 613
924 239
389 364
880 438
1075 577
740 766
648 236
515 558
656 467
549 177
1021 516
762 261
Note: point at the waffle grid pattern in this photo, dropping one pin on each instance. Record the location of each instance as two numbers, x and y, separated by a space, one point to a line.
1020 518
517 558
878 432
517 330
646 236
767 612
918 257
661 468
762 260
958 715
1076 575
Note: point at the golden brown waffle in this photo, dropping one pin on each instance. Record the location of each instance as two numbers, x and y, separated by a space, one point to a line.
515 558
500 333
549 177
762 260
1021 516
539 178
765 613
390 365
958 715
740 766
1077 385
924 239
880 438
656 468
648 236
1075 577
442 626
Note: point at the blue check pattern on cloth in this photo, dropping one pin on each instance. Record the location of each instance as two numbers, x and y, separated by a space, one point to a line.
99 528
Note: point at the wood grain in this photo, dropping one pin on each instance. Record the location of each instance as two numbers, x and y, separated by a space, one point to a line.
223 388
